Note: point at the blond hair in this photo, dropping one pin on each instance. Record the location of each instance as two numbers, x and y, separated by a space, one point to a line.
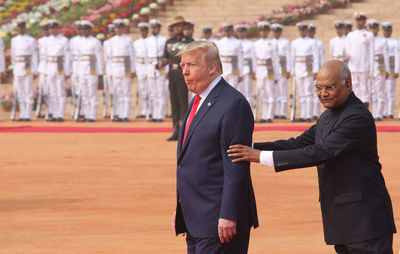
209 48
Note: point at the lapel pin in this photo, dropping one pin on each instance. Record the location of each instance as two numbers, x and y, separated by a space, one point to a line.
209 104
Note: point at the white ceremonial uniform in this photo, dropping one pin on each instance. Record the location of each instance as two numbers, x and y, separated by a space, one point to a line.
157 77
107 70
2 60
284 69
265 57
378 80
246 85
57 67
394 65
41 70
321 61
305 62
122 55
141 74
74 52
89 69
360 51
337 48
231 54
24 58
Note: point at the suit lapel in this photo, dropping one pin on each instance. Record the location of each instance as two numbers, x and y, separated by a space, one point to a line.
183 126
207 104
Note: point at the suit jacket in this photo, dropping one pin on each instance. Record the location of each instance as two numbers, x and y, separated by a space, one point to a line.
209 185
355 203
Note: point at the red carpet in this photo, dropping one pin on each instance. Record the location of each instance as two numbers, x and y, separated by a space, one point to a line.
71 129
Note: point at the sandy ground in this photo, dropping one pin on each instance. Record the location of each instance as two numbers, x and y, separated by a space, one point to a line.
115 193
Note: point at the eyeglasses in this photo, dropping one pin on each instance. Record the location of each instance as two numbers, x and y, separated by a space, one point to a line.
328 88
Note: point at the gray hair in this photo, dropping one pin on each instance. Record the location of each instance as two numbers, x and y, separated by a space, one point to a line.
210 49
344 72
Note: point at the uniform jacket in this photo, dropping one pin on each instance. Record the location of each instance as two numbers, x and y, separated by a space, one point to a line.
302 47
209 185
360 51
57 46
23 45
354 200
284 51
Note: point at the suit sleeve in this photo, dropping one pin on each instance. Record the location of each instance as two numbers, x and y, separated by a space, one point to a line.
353 132
237 128
305 139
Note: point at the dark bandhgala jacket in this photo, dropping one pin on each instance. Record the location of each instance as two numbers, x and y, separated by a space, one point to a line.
355 203
209 185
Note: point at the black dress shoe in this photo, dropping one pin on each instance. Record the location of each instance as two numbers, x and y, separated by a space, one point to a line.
153 120
308 120
28 120
160 120
50 119
141 116
391 116
269 120
80 120
300 120
90 120
60 119
315 118
125 120
378 119
262 121
21 120
283 117
276 117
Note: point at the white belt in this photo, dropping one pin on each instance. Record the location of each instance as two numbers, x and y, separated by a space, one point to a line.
226 59
75 58
20 59
85 57
262 61
118 59
301 59
141 60
52 59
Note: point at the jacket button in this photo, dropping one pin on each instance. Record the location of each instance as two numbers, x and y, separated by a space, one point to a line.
179 167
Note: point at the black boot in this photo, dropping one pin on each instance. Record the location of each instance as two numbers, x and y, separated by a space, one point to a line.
175 133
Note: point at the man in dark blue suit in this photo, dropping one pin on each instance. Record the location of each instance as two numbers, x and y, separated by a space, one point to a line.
357 212
215 200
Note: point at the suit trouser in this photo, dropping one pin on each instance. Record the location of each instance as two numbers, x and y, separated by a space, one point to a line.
24 88
158 94
246 88
282 96
123 93
178 95
232 80
378 95
390 94
144 94
306 95
88 86
56 86
267 92
238 245
381 245
361 86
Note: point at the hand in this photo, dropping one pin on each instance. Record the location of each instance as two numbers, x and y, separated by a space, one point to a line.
226 230
288 75
386 75
66 77
2 76
133 75
173 224
240 79
244 153
396 75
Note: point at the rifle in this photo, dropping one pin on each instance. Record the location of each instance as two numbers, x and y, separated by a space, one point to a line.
257 101
14 103
79 104
113 99
293 113
73 96
40 94
105 93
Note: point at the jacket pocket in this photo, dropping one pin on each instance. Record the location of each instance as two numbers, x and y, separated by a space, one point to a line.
347 198
212 190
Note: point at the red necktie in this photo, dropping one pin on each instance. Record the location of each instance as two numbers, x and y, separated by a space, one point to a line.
191 115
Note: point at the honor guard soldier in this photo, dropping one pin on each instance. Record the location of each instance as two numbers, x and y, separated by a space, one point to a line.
109 90
284 71
394 65
156 72
57 69
360 51
337 45
143 97
248 71
266 58
43 89
207 34
304 57
231 54
321 60
177 86
24 59
348 27
90 69
126 27
74 44
122 55
380 72
2 61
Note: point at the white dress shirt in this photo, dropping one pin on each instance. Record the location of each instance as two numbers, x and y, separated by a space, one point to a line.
266 158
207 91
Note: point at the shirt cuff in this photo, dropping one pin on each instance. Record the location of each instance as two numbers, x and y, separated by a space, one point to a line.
266 158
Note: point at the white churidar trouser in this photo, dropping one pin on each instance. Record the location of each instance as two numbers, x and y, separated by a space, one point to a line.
361 86
144 95
246 88
158 93
306 96
56 84
24 88
390 94
88 85
281 96
267 93
123 91
378 96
